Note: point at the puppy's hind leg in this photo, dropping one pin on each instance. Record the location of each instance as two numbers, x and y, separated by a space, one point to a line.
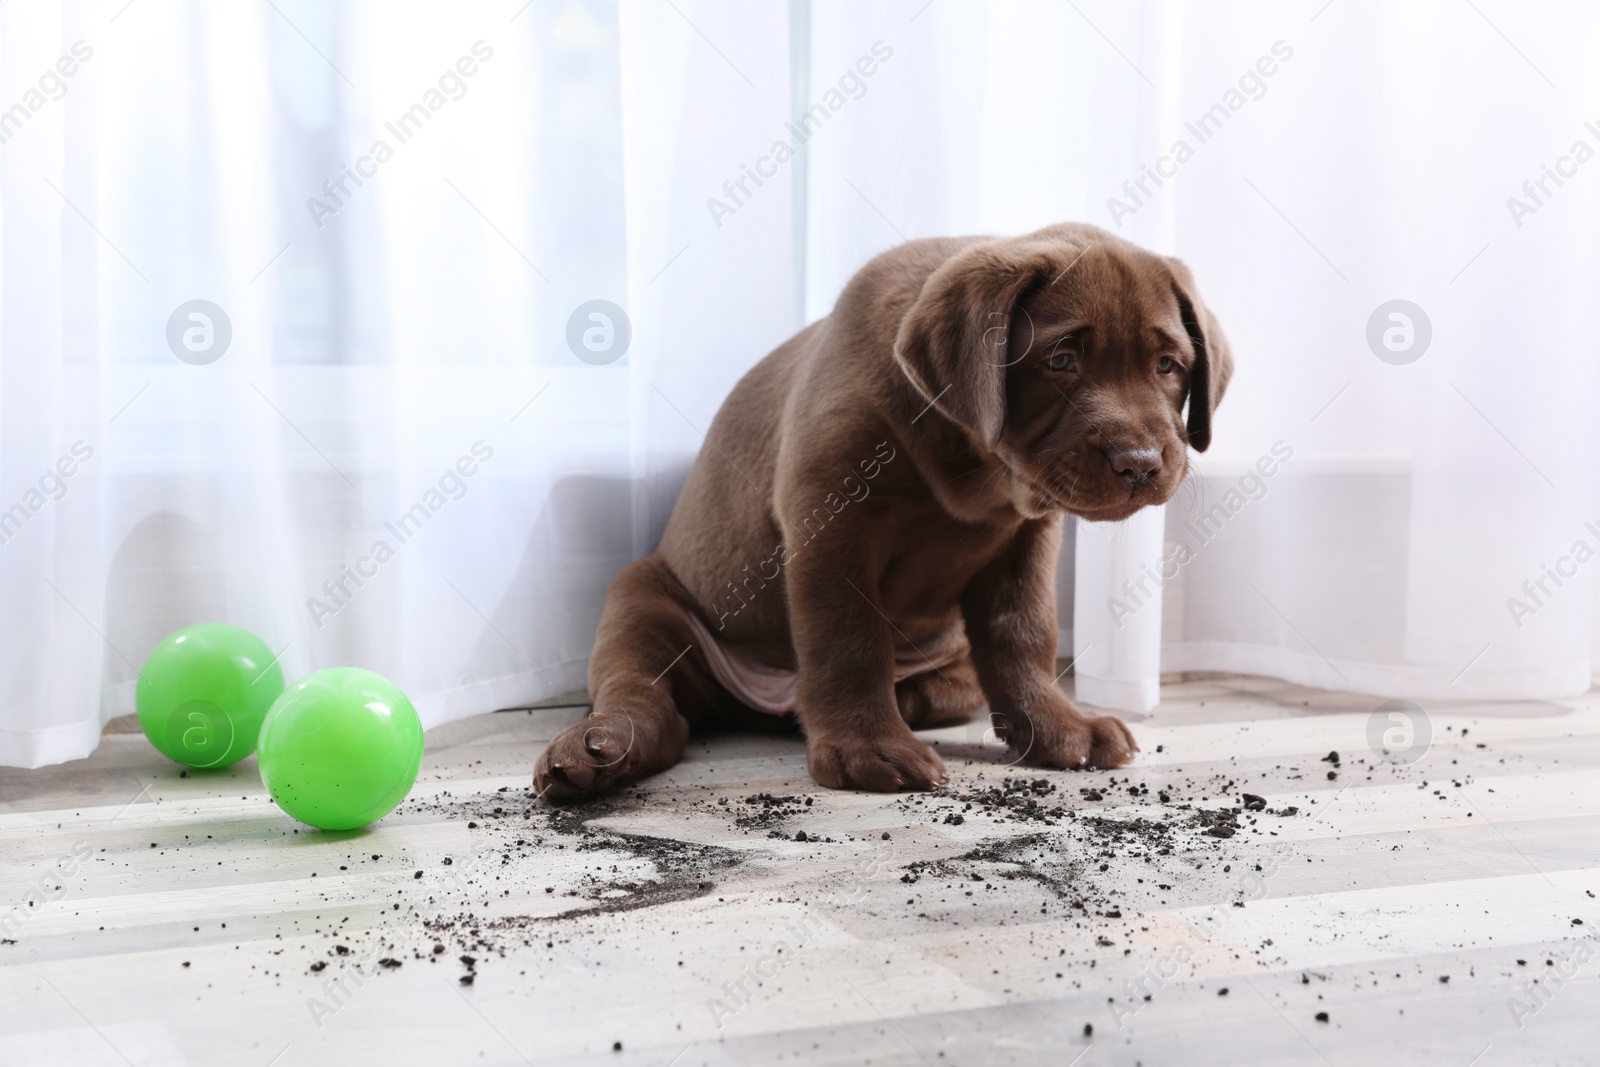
940 698
635 727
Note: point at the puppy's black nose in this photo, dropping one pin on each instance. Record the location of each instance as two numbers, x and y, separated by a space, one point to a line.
1136 467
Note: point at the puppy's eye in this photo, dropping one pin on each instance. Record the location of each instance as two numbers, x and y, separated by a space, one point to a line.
1165 365
1064 355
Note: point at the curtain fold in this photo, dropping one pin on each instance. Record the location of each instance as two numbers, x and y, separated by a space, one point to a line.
486 273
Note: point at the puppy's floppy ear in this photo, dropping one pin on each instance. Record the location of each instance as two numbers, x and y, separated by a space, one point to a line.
1213 359
956 340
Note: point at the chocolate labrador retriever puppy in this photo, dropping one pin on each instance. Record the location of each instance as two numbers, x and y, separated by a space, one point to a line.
867 542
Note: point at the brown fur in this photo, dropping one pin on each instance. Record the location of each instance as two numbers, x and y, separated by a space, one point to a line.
904 465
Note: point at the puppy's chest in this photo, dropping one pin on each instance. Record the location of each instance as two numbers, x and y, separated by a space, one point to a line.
929 564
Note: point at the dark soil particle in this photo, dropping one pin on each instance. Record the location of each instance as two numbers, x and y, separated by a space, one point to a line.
1034 857
764 811
1018 799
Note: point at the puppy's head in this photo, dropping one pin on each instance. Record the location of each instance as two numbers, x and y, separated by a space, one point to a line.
1083 363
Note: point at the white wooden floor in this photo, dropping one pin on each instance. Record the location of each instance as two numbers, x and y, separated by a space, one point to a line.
1438 912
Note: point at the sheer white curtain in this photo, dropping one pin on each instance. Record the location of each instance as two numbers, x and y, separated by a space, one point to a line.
1426 485
400 208
398 462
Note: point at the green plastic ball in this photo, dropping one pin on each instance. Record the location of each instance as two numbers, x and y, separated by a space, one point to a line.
340 748
203 693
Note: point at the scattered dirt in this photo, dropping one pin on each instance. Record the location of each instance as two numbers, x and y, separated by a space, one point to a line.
453 907
767 812
1099 850
1035 857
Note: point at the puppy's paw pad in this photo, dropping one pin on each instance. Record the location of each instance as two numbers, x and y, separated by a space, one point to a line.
879 765
1064 743
1075 742
1113 743
585 758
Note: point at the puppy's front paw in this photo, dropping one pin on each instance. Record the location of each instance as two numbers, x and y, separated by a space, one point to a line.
1073 741
586 758
878 764
1113 742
